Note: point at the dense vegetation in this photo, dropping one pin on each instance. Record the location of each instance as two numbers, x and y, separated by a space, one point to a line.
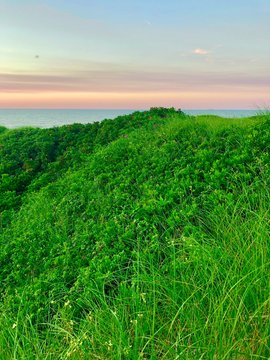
143 237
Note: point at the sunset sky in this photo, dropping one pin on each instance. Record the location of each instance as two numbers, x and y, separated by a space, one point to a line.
192 54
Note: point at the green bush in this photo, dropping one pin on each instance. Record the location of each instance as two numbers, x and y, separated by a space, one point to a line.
153 242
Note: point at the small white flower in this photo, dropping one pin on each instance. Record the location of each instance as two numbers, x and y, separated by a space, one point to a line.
143 297
109 344
67 303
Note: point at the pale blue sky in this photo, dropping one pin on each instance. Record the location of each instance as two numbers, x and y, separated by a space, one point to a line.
123 53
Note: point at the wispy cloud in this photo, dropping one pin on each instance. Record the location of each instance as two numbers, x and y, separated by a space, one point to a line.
200 51
147 22
129 79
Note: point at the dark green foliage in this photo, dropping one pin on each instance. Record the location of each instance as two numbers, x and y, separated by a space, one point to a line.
2 129
31 158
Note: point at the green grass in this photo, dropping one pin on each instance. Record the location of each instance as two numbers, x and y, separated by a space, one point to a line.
154 246
193 298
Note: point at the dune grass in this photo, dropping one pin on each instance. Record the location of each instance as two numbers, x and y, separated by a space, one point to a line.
157 247
194 298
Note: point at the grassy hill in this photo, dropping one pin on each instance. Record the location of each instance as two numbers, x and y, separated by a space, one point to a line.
143 237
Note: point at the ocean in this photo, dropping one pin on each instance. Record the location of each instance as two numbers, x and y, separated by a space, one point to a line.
46 118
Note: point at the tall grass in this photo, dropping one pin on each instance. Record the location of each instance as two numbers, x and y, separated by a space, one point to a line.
196 297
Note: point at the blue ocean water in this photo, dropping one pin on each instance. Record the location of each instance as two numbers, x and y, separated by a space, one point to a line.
46 118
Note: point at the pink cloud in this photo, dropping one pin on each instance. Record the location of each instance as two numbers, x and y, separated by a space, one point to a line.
200 51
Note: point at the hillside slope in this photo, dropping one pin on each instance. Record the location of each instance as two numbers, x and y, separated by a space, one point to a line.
147 240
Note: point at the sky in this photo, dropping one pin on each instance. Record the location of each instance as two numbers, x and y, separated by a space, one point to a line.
134 54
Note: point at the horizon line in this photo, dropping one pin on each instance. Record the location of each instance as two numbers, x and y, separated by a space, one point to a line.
130 109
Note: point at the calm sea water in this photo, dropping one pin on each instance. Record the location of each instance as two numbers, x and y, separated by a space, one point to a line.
45 118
